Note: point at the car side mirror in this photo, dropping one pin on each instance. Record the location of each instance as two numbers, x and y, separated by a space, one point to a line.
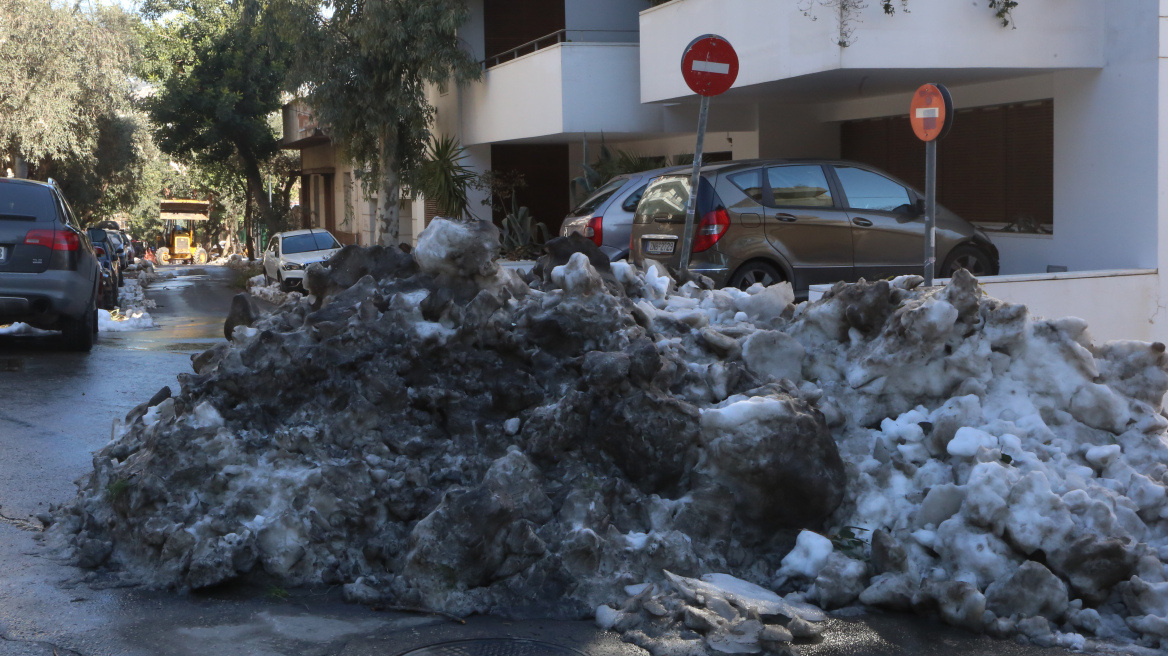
918 208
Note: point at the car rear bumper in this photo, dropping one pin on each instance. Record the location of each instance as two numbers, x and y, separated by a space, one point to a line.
43 296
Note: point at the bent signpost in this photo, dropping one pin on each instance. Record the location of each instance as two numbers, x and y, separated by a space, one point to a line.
931 115
710 67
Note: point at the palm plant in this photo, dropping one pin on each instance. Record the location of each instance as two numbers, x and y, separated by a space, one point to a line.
444 179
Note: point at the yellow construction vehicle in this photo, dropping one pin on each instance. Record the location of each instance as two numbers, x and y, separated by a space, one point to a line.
178 217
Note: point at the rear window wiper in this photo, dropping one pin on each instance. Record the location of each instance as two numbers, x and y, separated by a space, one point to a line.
17 217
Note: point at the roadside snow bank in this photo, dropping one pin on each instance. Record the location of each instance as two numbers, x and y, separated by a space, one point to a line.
131 313
233 261
270 293
13 329
689 466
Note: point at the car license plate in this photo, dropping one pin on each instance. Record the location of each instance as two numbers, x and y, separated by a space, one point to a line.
659 247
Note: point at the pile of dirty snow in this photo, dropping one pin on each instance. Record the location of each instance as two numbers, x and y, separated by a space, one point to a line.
258 287
233 261
692 467
131 313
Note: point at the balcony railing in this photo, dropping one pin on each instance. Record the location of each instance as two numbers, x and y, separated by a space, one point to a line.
562 36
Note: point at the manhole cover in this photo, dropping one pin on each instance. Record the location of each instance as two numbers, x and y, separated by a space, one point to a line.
494 647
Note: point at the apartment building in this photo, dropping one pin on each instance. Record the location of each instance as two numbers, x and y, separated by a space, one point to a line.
1058 147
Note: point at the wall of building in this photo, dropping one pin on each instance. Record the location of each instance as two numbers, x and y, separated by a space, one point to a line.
1160 311
603 20
781 42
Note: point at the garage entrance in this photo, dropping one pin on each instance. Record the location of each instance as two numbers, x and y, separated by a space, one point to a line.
996 168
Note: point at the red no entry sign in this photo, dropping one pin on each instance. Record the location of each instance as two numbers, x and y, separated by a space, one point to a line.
931 112
709 65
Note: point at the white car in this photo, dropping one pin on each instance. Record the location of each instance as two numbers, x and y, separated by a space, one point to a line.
290 253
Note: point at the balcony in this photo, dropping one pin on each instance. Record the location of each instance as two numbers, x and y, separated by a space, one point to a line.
787 55
554 87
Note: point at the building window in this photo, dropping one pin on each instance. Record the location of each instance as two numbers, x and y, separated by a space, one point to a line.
996 167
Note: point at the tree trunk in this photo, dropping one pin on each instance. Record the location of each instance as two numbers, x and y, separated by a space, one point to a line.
389 194
247 230
19 166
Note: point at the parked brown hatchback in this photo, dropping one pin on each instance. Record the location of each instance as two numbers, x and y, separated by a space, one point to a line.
803 221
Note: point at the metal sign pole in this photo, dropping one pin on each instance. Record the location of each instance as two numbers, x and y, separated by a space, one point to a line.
691 204
930 211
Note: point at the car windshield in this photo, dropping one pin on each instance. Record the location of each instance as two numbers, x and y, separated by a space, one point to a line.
20 202
96 234
316 241
598 197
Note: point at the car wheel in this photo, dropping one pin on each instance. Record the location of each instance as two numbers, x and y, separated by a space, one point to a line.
267 280
752 273
200 256
79 334
970 258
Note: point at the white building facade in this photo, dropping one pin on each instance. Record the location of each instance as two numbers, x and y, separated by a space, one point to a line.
1059 147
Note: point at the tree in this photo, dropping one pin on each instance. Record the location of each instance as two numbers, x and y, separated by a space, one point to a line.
221 76
63 72
366 68
115 178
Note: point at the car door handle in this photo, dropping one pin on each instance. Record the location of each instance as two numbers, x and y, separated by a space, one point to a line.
786 218
862 222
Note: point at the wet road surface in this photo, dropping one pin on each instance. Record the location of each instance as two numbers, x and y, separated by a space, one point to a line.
56 408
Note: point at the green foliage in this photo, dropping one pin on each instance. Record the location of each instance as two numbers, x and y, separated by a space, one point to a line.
366 67
221 67
112 182
63 71
502 189
276 593
1002 9
522 236
847 541
444 179
117 489
612 163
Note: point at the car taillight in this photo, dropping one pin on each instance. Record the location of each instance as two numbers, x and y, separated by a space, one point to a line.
595 230
710 230
58 240
99 250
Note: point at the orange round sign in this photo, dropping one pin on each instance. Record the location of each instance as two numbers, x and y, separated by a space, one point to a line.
931 112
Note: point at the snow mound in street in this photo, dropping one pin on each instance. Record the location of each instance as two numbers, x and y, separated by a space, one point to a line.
270 293
691 467
13 329
233 261
131 313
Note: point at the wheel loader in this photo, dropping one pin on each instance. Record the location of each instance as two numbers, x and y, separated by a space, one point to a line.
178 219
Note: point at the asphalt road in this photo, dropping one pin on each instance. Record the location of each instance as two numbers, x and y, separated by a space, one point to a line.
56 408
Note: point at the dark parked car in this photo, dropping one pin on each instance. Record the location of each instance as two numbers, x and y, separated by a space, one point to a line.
606 216
803 221
108 241
49 273
109 276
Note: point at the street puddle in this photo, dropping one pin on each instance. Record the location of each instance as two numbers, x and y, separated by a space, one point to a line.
11 364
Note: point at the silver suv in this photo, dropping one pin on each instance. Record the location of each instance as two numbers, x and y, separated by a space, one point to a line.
803 221
606 216
49 273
